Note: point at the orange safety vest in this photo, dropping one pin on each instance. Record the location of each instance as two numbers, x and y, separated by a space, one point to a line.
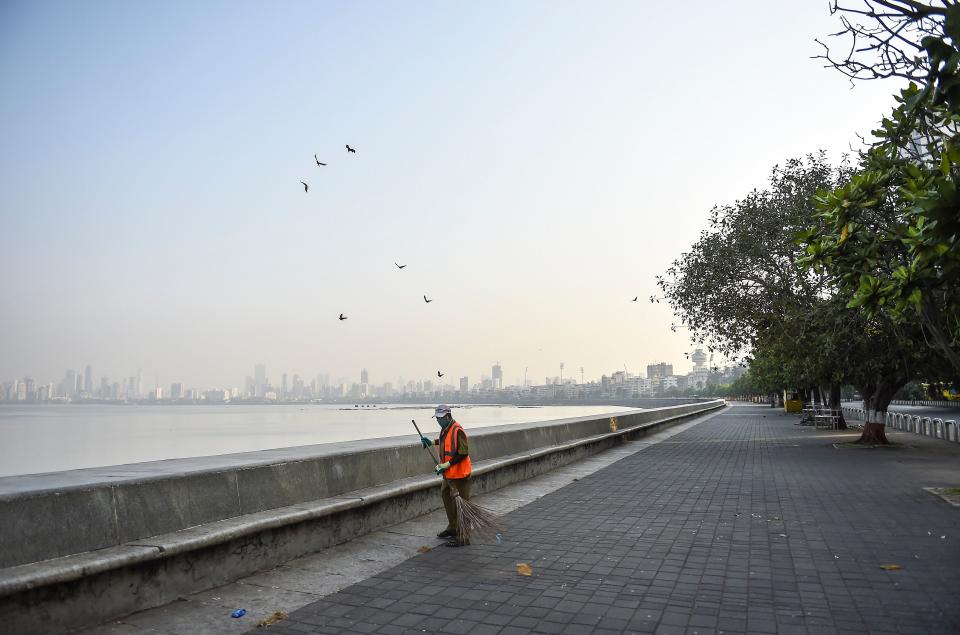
448 448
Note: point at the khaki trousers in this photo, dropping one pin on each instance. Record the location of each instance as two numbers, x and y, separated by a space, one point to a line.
462 485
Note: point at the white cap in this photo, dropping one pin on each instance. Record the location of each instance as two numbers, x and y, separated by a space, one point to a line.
441 410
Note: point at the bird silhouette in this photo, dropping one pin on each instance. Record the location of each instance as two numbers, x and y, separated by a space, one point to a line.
317 160
342 317
425 299
635 299
306 188
439 374
400 266
349 149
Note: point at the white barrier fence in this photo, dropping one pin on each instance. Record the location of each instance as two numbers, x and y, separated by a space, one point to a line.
944 403
928 426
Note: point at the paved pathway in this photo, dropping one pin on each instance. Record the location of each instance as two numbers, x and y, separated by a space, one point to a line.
744 523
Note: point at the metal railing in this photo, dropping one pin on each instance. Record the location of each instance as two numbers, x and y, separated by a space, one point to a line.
927 426
940 403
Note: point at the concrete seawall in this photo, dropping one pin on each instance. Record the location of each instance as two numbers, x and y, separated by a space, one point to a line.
84 546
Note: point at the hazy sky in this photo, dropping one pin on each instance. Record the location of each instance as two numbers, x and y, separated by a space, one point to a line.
535 164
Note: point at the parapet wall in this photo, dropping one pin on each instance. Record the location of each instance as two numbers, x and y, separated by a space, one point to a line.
110 506
140 535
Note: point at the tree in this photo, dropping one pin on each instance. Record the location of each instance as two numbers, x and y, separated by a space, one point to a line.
741 290
889 237
741 276
744 289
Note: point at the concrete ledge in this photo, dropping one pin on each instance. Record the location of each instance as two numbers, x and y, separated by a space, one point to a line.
81 589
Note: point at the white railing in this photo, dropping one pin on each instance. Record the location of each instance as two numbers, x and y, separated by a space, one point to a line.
927 426
939 403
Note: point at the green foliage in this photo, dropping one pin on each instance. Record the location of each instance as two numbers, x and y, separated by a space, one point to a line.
888 238
742 276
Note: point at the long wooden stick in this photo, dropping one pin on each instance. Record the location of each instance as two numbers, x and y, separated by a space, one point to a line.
434 456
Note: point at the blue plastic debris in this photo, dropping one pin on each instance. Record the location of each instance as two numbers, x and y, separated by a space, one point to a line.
499 538
239 613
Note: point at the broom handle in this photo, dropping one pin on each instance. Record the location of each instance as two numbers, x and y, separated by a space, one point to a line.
434 456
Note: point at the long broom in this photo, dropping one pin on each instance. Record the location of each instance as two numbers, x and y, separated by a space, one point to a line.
472 519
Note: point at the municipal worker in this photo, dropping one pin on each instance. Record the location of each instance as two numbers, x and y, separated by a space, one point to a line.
454 466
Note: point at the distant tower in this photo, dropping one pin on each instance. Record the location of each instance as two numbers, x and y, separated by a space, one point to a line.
364 376
497 376
88 380
464 385
69 383
698 357
139 394
259 379
700 372
283 385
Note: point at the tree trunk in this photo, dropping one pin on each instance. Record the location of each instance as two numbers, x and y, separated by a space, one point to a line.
836 404
876 400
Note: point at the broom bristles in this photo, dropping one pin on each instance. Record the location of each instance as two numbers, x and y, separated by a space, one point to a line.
474 520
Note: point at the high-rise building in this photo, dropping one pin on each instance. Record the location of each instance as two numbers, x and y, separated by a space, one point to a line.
656 372
283 386
139 394
464 385
497 376
69 383
176 390
364 376
88 380
259 379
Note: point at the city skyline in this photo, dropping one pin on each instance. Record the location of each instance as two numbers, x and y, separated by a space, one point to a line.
260 385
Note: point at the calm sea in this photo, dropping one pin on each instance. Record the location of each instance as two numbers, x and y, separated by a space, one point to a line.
50 438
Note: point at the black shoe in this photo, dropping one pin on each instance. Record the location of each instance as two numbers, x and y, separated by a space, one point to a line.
455 542
446 533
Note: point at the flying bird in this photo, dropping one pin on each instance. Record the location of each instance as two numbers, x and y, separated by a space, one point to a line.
400 266
317 160
342 317
425 299
306 188
439 374
635 299
349 149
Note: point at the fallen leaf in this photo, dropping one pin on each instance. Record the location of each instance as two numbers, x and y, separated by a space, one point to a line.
423 549
273 619
890 567
524 569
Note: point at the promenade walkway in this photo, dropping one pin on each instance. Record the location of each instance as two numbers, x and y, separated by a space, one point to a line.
743 523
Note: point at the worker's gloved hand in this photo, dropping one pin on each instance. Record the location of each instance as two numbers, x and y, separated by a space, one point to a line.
441 467
426 442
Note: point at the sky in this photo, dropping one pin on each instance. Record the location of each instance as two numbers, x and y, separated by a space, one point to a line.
534 164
